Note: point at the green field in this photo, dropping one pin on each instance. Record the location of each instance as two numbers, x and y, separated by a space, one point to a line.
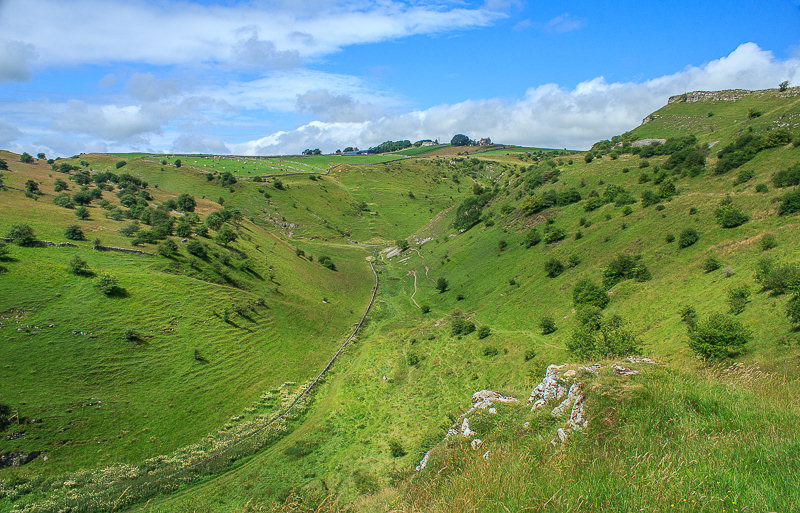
421 150
685 435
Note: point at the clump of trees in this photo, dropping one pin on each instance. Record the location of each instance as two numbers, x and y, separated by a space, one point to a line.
625 267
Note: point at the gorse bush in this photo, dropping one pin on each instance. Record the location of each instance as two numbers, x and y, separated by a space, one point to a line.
718 336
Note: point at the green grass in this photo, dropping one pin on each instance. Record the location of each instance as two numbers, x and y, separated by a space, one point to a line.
421 150
678 431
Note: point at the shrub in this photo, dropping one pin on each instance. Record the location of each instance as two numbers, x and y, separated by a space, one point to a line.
553 267
573 260
793 308
625 267
186 203
588 157
718 336
490 351
587 292
547 325
107 283
412 359
790 203
120 164
78 266
768 241
603 338
553 234
627 210
670 238
484 331
401 244
532 238
787 177
196 248
688 237
82 213
326 262
688 315
738 298
25 158
21 234
167 248
425 309
502 244
728 216
777 278
530 354
441 284
63 200
225 236
74 232
711 264
396 449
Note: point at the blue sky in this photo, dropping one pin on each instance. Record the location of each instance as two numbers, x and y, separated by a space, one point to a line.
278 76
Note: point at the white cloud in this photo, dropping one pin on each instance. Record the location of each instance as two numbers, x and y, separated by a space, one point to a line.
15 61
546 115
146 87
183 32
8 134
195 143
564 23
337 108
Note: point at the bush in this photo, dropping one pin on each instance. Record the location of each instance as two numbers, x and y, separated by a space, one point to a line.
670 238
627 210
532 238
502 244
603 338
441 285
553 234
396 449
777 278
484 331
327 262
787 177
790 203
21 234
793 309
530 354
688 237
762 188
711 264
412 359
167 248
573 260
738 298
25 158
728 216
718 336
107 283
587 292
82 213
425 309
490 351
553 267
186 203
768 241
401 244
688 316
196 248
63 200
225 236
459 325
625 267
120 164
78 266
74 232
547 325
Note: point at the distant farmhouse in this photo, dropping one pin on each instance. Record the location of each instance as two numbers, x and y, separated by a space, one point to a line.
485 142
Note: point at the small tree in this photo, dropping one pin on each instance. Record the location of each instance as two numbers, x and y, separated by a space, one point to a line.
459 140
32 187
441 285
783 86
167 248
82 213
738 298
728 216
74 232
484 331
532 238
178 163
401 244
718 336
79 266
196 248
793 308
587 292
21 234
107 283
120 164
186 203
25 158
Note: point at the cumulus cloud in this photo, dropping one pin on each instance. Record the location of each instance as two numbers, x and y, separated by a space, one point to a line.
146 87
8 134
183 32
15 61
336 108
112 122
547 115
564 23
195 143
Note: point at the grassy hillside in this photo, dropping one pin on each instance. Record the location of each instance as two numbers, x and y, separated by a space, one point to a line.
686 434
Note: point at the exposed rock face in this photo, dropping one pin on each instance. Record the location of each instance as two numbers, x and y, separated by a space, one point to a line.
481 400
16 459
550 389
